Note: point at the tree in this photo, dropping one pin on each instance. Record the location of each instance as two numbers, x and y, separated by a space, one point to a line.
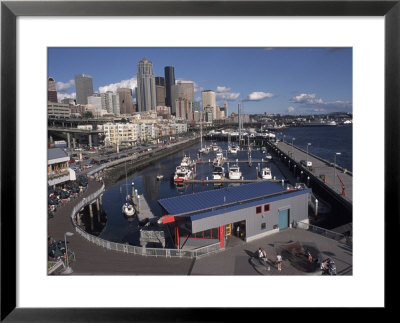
88 115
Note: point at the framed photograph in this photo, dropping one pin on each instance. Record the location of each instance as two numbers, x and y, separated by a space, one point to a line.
32 32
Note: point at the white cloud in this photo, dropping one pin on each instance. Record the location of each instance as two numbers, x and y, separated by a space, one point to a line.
290 109
61 96
227 96
130 84
62 87
223 89
258 96
310 99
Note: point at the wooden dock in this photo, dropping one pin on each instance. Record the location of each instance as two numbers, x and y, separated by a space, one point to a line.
228 181
142 208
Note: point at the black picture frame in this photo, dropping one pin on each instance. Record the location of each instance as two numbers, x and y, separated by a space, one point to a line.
10 10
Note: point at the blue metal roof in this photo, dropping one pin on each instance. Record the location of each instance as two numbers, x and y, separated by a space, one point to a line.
213 198
206 214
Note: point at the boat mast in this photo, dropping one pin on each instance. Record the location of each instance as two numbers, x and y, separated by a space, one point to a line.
201 130
240 128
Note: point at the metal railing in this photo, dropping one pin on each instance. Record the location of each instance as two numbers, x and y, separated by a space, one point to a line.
126 248
324 232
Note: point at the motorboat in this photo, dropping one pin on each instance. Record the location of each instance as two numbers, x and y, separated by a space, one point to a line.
160 177
128 209
214 147
234 172
218 172
266 173
219 159
182 174
234 149
186 162
268 156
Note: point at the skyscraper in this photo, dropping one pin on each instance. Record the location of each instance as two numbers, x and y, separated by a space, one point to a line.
160 91
51 90
84 88
169 81
208 99
125 101
146 86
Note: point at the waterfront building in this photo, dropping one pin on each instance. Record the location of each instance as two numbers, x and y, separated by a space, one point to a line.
78 109
84 88
125 101
169 81
146 89
58 110
177 128
208 98
252 211
58 170
51 90
120 133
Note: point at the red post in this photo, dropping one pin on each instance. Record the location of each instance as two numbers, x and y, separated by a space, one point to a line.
221 236
177 236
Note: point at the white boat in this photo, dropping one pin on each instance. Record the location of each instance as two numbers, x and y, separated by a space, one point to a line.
186 162
182 174
234 149
218 172
214 147
128 209
219 159
160 177
234 172
266 173
268 156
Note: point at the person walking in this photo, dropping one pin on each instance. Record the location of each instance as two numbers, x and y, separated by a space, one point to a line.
309 257
279 261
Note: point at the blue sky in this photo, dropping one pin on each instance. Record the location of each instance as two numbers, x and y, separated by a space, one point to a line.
272 80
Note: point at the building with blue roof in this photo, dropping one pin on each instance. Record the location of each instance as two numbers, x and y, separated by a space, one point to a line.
249 211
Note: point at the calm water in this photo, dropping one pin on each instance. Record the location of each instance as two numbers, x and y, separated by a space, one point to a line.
325 141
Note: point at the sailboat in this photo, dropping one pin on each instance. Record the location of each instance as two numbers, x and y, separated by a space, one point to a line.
127 208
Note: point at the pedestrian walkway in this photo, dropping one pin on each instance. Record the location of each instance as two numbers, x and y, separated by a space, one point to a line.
236 259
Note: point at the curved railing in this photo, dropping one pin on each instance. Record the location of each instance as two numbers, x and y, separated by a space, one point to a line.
126 248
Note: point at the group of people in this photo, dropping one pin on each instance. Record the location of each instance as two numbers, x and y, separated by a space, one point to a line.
262 255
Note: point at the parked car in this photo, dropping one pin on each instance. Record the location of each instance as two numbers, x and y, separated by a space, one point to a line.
307 163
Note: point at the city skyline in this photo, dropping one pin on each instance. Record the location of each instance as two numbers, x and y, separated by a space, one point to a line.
264 80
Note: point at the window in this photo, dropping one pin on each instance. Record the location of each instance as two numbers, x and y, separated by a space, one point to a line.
266 207
263 226
258 209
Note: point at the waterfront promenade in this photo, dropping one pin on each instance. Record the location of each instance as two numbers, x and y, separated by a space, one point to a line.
92 259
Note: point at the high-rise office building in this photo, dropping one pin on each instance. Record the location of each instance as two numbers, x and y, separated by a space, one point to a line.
84 88
208 99
51 90
169 81
110 102
182 90
146 86
160 91
125 100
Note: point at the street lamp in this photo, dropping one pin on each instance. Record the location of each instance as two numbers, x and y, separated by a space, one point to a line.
334 171
68 269
292 145
308 144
